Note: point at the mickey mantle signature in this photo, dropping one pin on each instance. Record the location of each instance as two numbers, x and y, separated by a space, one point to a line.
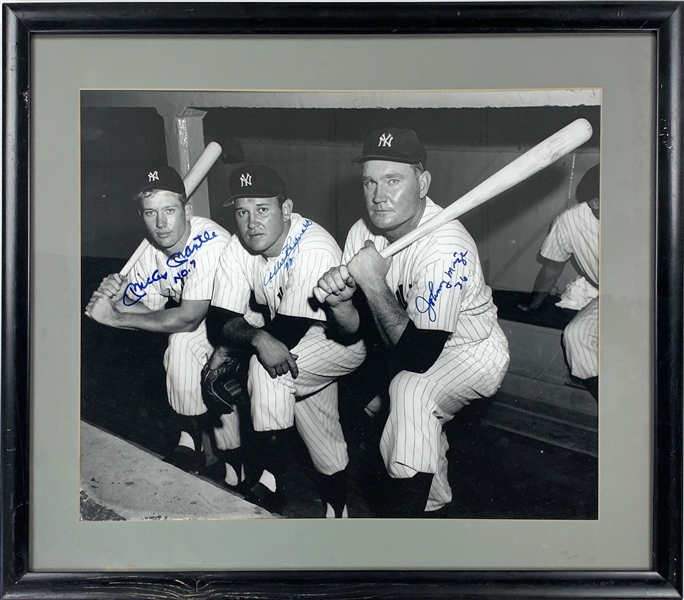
178 260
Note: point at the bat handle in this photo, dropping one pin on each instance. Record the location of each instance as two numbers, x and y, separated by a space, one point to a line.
320 294
200 169
392 249
135 257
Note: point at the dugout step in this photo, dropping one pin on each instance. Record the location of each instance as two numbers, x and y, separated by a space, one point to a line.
569 429
121 481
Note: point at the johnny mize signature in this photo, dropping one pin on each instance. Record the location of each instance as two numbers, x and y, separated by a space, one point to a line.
181 264
288 252
427 305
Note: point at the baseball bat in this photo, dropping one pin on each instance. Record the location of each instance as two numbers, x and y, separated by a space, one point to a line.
191 180
534 160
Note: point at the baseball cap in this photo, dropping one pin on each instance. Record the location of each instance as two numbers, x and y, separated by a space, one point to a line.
160 178
254 181
588 187
397 145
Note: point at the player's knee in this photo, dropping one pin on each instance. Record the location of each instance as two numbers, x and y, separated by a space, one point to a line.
261 385
182 345
571 336
254 367
257 373
183 354
400 384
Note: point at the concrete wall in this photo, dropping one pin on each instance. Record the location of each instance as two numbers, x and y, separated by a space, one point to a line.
313 151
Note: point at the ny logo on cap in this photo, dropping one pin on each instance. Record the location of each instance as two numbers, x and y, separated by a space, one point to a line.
245 180
153 176
385 140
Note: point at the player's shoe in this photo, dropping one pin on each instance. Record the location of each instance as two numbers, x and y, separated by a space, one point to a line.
331 513
273 502
333 489
186 459
217 472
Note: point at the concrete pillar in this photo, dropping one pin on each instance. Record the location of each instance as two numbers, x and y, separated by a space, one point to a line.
184 131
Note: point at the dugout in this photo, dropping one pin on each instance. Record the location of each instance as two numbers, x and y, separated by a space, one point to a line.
310 139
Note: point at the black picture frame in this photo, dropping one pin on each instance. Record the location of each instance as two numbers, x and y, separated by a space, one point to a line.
22 21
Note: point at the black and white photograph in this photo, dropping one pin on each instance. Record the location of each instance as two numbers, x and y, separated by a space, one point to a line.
339 304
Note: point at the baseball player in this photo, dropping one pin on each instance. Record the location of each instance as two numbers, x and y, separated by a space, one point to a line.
433 310
279 256
575 232
179 265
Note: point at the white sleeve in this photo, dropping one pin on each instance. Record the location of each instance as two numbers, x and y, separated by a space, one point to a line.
202 269
142 283
556 246
354 242
303 276
437 291
232 286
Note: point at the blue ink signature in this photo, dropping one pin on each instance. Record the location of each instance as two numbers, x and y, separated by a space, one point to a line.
178 259
288 251
183 273
427 305
175 261
137 290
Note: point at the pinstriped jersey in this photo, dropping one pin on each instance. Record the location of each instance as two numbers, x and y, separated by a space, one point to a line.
185 275
575 232
437 279
283 283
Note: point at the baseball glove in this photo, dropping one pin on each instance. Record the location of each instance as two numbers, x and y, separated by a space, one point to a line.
224 387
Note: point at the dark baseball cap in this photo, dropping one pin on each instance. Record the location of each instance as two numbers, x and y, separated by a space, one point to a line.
254 181
396 145
160 178
588 186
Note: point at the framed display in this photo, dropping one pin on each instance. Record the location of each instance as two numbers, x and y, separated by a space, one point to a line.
555 494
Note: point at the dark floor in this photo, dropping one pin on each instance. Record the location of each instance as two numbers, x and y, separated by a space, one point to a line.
494 474
547 315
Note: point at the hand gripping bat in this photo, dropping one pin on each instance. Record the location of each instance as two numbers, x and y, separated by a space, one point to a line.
192 180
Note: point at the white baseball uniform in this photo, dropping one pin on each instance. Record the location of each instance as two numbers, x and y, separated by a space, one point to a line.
285 285
187 275
575 232
439 282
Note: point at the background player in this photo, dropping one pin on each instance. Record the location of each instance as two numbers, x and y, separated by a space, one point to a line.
179 265
431 307
575 232
279 256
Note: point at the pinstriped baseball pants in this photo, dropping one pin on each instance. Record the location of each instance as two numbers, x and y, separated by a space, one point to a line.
420 404
317 422
185 355
308 402
184 358
580 339
321 362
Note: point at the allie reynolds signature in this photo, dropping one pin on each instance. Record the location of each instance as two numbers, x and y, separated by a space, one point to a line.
287 254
